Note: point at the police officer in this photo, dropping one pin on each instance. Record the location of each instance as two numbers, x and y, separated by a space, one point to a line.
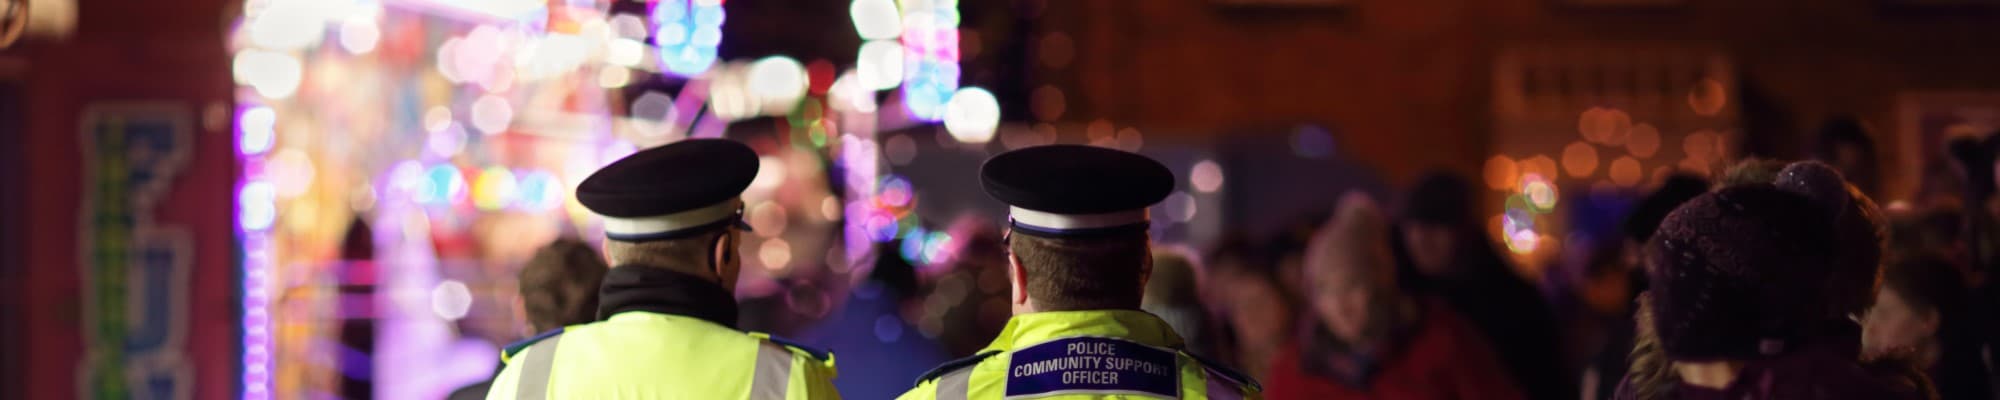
1077 263
672 218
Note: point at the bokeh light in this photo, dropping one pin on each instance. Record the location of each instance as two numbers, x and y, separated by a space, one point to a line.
358 34
442 183
445 143
1579 159
1047 103
1540 165
876 19
259 130
1700 145
1645 141
775 253
257 206
437 118
1206 176
930 56
899 149
972 115
288 24
492 114
274 75
613 77
1708 97
1523 241
770 173
1500 172
778 82
1541 194
451 300
688 34
1129 139
1626 171
654 107
292 171
494 189
895 192
769 219
1604 125
880 64
539 191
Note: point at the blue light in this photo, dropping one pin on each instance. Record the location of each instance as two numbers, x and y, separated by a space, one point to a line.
688 45
539 191
442 184
913 246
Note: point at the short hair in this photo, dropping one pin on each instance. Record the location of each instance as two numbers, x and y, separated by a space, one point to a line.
1084 273
687 254
559 284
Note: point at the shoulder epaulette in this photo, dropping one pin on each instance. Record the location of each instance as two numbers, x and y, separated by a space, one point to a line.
1225 371
507 353
822 355
954 365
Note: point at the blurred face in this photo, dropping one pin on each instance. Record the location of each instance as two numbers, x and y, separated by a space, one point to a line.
1256 311
1344 300
1431 246
1894 325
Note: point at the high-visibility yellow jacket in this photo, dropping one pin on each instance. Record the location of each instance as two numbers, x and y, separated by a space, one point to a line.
1099 354
645 355
663 335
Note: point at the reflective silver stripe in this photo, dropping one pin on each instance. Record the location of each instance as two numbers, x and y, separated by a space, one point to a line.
533 384
774 373
1220 388
955 385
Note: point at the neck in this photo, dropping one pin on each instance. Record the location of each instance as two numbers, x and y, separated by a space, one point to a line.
1710 375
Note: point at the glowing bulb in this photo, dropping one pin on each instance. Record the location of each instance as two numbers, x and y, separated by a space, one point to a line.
876 19
880 64
972 115
613 77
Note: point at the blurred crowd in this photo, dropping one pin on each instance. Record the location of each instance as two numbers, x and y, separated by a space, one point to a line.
1773 280
1406 296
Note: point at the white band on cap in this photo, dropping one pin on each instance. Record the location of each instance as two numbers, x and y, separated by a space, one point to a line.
1055 221
673 222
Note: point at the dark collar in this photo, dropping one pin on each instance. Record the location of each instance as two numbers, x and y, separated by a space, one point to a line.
659 290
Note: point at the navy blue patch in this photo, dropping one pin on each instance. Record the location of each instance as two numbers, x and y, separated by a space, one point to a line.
1093 365
953 365
821 354
515 348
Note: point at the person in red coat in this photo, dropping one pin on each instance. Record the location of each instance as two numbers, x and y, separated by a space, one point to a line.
1366 339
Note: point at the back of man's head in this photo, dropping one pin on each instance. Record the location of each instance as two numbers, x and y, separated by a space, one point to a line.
1084 273
559 285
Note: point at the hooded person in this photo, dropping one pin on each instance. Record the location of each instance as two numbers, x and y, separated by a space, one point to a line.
1444 251
1739 298
1367 338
